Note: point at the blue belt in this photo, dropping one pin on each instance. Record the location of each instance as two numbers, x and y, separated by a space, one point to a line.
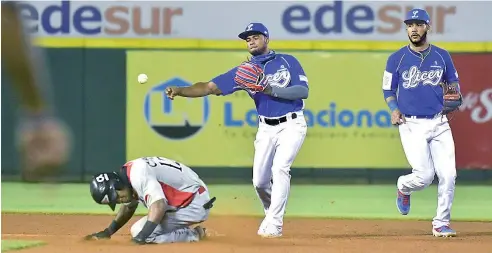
420 116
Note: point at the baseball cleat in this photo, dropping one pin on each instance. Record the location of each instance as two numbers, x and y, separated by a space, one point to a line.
444 231
270 231
201 231
403 203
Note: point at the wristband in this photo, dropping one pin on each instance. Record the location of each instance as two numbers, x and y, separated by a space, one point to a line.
393 105
147 229
113 227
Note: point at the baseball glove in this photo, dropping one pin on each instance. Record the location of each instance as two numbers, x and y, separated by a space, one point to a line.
250 76
452 99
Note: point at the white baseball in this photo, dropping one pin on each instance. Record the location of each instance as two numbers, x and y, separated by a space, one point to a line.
142 78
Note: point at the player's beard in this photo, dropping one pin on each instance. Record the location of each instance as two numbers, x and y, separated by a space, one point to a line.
420 42
258 51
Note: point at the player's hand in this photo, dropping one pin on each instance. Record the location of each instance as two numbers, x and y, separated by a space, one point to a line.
397 118
172 91
44 143
102 235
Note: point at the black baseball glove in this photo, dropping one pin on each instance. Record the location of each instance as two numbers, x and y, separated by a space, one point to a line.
99 235
452 98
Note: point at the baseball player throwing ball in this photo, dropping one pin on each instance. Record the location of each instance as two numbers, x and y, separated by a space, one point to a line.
427 84
277 84
173 193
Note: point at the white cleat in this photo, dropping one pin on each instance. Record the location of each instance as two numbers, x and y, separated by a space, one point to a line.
270 231
444 231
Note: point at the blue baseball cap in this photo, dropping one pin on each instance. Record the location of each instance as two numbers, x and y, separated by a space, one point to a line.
254 28
417 15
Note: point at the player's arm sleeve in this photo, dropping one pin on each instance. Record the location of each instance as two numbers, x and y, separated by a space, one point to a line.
390 82
291 92
451 74
225 82
153 192
151 188
298 88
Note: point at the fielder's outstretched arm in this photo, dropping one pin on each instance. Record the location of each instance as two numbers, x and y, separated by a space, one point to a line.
199 89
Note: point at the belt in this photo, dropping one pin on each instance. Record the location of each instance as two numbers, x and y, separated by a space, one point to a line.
276 121
420 116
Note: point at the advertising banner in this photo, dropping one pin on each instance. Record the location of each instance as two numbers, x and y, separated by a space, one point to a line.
348 120
455 21
472 126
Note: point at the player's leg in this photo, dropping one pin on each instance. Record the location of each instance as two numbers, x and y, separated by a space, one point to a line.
414 135
166 233
290 139
262 175
443 153
176 226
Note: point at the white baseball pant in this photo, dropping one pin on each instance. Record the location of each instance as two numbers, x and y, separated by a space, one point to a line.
276 147
429 147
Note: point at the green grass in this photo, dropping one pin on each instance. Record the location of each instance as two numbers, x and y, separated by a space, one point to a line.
350 202
9 245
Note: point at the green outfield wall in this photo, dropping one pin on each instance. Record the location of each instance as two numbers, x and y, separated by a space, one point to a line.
114 118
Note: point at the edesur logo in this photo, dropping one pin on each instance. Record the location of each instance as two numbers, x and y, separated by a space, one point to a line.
99 18
346 17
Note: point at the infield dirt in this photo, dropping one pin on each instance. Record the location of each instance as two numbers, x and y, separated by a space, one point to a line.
64 233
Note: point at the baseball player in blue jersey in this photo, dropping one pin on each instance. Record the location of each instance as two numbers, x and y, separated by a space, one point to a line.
282 126
413 88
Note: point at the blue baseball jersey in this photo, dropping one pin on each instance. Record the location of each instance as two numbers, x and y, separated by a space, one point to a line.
414 78
281 70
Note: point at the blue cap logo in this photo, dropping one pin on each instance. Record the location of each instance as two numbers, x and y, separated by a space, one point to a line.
417 15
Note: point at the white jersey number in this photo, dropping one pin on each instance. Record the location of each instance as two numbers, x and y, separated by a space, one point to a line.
154 161
102 177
